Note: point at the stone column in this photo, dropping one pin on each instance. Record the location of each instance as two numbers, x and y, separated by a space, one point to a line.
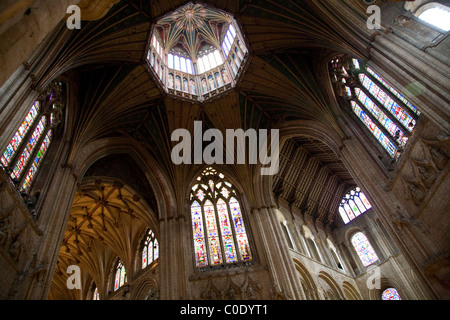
284 277
173 261
36 279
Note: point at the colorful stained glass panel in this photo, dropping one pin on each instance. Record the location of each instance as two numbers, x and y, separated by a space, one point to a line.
395 92
390 105
365 251
213 233
15 142
364 200
379 115
117 281
227 232
156 250
241 235
390 294
343 215
198 233
29 148
37 161
379 135
120 277
150 252
144 257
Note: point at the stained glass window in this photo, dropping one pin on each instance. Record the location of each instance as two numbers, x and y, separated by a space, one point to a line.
25 152
37 161
390 294
387 114
29 148
96 295
150 249
218 227
120 276
15 142
364 249
353 204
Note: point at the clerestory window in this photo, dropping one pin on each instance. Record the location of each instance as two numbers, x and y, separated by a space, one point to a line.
29 145
353 204
364 249
436 14
387 115
120 277
149 249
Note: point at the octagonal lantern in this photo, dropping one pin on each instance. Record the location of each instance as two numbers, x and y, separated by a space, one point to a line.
197 52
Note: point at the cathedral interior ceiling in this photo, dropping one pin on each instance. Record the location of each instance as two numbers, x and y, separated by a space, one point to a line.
119 97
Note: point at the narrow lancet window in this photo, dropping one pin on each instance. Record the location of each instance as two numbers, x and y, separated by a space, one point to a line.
387 115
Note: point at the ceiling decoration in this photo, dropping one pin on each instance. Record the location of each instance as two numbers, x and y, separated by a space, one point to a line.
285 79
313 179
191 27
95 9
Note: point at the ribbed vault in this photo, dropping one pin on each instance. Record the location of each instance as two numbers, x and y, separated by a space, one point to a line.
119 98
107 221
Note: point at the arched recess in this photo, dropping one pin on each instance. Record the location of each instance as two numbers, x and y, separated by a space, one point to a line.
162 187
106 223
387 282
336 290
308 284
147 289
350 292
290 129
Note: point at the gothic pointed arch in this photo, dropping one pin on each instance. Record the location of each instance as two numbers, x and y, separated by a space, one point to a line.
27 149
219 231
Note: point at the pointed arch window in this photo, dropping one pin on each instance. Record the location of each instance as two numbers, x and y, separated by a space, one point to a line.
353 204
219 232
436 14
364 249
150 249
96 295
27 148
390 294
385 113
120 277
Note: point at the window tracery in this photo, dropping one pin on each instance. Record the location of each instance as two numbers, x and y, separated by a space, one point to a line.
120 276
27 148
150 249
353 204
219 232
385 113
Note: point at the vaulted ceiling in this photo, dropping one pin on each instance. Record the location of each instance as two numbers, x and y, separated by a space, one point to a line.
286 79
